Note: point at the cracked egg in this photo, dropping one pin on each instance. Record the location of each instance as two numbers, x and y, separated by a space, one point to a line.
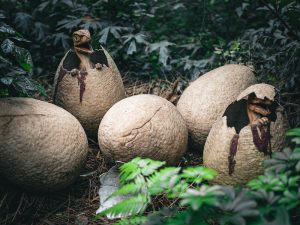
145 125
251 129
42 146
87 82
206 99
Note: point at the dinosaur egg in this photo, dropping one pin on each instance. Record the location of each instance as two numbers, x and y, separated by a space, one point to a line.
42 146
88 93
236 148
145 125
206 99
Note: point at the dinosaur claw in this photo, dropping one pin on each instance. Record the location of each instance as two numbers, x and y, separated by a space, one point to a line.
264 121
98 66
74 72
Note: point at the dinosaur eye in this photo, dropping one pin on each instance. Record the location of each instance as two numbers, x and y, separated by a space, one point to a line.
76 38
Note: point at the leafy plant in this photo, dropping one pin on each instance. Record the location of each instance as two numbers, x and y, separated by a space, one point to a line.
267 199
16 65
161 38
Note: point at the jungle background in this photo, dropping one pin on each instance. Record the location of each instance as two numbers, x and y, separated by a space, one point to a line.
157 45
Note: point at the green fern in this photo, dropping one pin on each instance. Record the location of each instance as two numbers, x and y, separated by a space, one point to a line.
162 180
126 189
198 174
142 179
128 207
138 166
137 220
274 193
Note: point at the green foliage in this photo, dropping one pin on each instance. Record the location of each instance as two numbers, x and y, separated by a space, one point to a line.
128 207
168 37
132 221
15 64
142 179
267 199
157 38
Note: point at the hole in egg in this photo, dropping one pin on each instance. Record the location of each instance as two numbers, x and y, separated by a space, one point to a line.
244 112
98 56
71 61
237 116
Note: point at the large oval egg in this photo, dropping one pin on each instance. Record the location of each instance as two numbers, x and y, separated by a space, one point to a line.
143 126
233 146
42 146
88 96
205 100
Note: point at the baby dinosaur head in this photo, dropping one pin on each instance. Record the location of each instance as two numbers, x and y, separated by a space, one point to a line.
81 40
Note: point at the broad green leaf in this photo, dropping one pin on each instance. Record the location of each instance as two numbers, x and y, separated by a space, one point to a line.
162 49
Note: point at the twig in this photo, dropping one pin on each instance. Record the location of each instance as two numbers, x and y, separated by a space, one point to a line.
288 94
3 199
291 104
19 206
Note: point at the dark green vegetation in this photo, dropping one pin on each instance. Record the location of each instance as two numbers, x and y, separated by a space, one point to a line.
164 39
15 64
269 199
158 38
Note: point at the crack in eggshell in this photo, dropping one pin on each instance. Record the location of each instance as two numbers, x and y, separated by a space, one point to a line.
143 125
138 131
11 118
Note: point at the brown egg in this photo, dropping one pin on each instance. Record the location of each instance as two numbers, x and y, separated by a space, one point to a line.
42 146
206 99
143 125
235 148
87 83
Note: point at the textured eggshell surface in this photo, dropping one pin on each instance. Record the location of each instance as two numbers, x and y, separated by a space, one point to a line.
103 89
261 91
205 100
147 126
42 146
249 161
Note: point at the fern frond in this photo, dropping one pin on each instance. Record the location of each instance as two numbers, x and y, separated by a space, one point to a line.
138 166
129 170
128 207
138 220
198 174
126 189
162 180
151 167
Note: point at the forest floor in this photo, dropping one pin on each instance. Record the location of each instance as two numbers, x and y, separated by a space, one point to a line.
78 203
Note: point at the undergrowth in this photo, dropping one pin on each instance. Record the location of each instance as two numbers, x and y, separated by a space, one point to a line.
268 199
